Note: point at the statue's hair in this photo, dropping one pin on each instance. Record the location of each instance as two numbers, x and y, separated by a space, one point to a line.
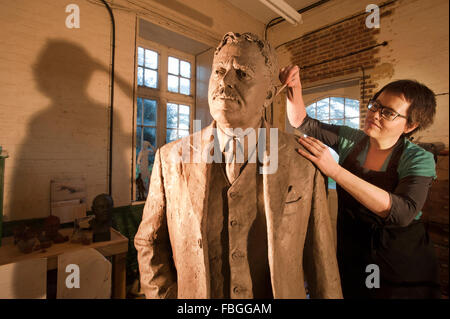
266 50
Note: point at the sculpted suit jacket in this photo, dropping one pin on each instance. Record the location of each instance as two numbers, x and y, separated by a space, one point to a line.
172 243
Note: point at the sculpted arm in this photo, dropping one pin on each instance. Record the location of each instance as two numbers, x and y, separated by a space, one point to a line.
157 270
320 263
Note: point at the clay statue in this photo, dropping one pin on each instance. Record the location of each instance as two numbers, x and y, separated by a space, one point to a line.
140 187
25 237
51 233
142 161
102 206
243 216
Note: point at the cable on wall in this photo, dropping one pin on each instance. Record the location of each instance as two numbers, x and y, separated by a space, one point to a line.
278 20
111 115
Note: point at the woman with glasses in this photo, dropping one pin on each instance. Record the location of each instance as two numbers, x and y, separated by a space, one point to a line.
382 183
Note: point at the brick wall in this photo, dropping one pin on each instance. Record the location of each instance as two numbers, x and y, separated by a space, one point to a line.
342 48
417 35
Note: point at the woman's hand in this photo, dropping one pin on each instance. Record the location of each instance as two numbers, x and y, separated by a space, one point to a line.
296 112
320 155
290 75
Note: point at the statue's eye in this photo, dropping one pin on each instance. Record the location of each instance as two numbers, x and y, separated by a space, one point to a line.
241 74
220 71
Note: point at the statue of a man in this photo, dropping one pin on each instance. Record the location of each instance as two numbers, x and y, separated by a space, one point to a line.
243 216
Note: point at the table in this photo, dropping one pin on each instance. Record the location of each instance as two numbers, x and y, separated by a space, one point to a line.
116 248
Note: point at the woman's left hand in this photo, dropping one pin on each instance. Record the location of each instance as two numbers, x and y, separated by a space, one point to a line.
320 155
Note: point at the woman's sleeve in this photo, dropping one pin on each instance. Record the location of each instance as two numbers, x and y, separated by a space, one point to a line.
416 171
408 199
326 133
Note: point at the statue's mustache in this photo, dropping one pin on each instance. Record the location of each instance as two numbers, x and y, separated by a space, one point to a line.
226 93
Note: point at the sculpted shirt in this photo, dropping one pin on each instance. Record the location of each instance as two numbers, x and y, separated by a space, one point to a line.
237 232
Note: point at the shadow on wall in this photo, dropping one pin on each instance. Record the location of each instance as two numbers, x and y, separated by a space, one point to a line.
69 138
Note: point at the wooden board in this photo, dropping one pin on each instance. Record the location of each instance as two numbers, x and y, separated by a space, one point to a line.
24 280
83 274
9 253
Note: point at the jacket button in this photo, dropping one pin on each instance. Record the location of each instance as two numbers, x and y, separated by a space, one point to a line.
200 244
234 223
237 254
238 290
233 194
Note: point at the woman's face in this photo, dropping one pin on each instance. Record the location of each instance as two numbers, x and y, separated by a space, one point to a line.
380 128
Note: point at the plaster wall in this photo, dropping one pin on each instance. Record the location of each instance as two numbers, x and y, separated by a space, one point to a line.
55 88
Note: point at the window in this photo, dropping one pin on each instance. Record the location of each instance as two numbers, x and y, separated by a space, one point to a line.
338 111
335 110
179 78
164 105
147 68
178 121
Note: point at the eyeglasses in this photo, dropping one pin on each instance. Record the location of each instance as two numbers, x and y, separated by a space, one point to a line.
386 112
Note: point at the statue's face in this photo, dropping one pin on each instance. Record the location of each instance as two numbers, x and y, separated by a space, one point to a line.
238 86
101 209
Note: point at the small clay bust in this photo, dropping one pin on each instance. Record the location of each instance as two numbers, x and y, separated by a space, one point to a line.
51 227
25 239
102 209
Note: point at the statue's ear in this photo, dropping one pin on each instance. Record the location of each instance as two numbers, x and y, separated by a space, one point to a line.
269 97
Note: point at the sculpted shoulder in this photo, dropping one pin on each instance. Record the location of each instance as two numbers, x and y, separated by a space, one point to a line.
292 144
176 148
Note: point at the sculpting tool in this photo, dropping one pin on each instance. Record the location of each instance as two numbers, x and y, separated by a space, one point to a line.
284 85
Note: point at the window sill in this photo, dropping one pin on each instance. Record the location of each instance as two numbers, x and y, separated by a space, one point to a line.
140 202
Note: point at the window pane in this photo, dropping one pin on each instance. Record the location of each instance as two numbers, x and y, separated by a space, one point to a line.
173 65
351 108
337 122
139 111
352 122
150 112
138 139
322 109
184 121
151 59
150 135
336 107
151 78
183 133
311 110
172 84
140 56
185 69
140 76
184 109
172 115
171 135
185 86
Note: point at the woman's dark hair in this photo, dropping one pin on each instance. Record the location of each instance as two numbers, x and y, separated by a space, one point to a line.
422 101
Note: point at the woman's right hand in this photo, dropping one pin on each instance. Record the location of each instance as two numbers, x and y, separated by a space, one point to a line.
290 75
296 112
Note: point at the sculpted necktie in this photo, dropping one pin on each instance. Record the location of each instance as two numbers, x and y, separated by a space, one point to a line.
233 166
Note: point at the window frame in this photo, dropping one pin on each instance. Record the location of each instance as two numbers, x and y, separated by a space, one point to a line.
331 182
179 76
329 119
161 95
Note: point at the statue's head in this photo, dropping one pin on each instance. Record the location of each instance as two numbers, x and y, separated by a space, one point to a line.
243 80
102 207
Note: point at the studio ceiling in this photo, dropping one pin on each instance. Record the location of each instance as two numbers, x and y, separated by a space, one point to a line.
260 12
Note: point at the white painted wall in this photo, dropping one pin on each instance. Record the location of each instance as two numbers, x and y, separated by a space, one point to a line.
54 86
